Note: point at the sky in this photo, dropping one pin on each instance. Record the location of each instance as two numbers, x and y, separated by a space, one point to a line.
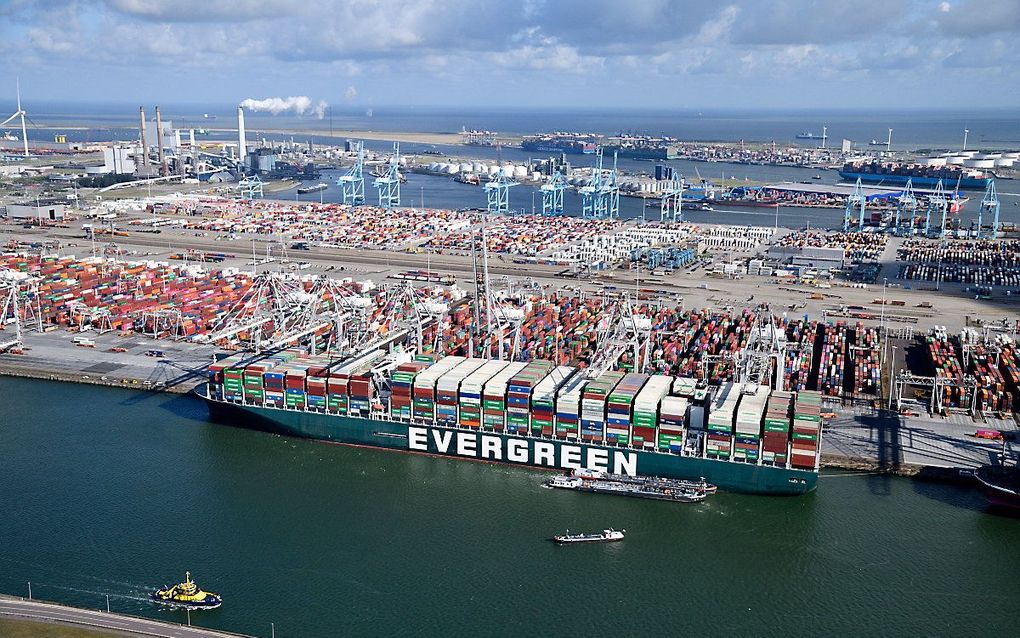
619 54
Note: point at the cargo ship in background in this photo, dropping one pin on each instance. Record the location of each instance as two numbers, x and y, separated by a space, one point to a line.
624 146
741 438
919 175
570 143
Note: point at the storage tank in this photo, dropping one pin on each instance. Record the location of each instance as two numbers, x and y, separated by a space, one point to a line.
1005 162
956 160
934 161
520 172
479 168
450 169
434 167
979 163
464 168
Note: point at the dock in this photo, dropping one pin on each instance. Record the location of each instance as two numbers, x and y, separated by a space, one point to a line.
46 613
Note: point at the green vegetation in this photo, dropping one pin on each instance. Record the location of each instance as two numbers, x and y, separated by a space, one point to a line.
29 629
102 181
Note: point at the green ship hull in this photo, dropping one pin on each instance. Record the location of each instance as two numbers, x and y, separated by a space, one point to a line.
543 453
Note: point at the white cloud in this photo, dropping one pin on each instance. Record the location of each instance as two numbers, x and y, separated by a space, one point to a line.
298 104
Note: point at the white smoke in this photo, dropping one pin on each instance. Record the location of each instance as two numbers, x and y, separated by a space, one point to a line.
350 93
299 104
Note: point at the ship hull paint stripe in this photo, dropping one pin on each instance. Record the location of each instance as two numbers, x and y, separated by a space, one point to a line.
901 180
537 453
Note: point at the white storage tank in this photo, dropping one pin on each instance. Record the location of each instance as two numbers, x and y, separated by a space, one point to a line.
979 163
520 171
465 168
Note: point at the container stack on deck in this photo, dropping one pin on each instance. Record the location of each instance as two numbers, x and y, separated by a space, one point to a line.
494 397
646 410
807 429
620 407
748 424
424 406
447 388
593 408
543 400
719 441
673 422
568 410
518 396
776 426
471 389
401 382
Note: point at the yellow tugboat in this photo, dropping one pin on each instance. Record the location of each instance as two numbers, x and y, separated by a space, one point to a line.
187 594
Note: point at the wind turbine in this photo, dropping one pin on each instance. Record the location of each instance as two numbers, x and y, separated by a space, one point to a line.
19 113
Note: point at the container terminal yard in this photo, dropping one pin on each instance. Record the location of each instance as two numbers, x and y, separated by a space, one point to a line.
895 335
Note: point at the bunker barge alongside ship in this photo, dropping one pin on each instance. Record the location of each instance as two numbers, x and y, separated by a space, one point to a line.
741 438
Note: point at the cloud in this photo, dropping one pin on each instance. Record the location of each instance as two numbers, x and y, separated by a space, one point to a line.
534 52
300 105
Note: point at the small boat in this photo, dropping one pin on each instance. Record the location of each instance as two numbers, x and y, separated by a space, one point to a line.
607 536
817 176
187 595
304 190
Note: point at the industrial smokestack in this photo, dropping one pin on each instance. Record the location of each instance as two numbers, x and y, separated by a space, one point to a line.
242 147
145 148
194 152
159 142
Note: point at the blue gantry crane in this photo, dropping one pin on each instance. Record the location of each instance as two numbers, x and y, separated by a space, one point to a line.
856 201
906 206
600 197
938 203
989 203
389 184
552 194
671 199
497 192
352 183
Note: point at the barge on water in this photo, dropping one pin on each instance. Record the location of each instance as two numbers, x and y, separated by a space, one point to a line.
652 488
526 413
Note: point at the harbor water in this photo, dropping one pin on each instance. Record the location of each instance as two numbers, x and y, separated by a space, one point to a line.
115 492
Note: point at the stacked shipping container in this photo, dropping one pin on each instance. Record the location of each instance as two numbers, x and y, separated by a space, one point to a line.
807 428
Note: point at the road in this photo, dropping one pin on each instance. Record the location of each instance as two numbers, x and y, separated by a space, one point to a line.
48 612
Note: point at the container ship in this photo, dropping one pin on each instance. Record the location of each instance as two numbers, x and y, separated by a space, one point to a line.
894 173
626 146
571 143
740 438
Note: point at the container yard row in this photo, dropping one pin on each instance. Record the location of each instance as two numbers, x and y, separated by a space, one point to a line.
985 263
857 246
666 414
992 367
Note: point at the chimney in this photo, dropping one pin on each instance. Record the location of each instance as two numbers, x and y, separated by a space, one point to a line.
159 142
145 148
194 152
242 147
